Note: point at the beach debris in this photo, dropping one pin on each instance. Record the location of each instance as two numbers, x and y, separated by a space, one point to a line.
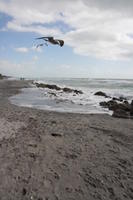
40 198
24 191
50 40
71 156
57 134
53 122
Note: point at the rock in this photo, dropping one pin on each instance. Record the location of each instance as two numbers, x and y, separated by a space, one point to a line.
104 104
57 134
69 90
122 110
24 191
126 102
55 87
111 105
131 110
52 87
99 93
53 122
121 113
123 106
122 98
115 99
52 94
78 92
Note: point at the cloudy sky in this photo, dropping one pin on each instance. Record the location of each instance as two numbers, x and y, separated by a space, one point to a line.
98 37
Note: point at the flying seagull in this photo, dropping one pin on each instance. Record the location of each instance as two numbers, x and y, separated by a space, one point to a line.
52 40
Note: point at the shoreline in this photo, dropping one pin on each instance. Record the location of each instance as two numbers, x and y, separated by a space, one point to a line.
33 97
55 156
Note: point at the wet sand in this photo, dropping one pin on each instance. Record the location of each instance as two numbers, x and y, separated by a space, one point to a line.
62 156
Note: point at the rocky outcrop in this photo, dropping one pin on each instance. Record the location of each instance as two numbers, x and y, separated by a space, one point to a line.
131 110
69 90
103 94
122 110
78 92
121 114
111 105
121 99
100 93
55 87
52 87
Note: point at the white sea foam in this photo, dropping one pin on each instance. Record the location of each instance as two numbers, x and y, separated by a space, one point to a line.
47 99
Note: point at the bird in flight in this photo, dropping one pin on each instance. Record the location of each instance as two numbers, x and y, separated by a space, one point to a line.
51 40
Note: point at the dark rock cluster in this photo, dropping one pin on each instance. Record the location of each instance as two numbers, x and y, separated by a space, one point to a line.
55 87
120 106
100 93
52 87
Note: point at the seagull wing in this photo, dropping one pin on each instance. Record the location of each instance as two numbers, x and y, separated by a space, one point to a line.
39 45
44 38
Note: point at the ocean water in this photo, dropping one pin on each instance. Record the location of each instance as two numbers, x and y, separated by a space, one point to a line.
87 102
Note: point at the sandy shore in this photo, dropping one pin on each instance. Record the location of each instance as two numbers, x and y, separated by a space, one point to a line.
60 156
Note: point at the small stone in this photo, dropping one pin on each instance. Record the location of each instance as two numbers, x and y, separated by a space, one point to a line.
24 191
57 134
53 122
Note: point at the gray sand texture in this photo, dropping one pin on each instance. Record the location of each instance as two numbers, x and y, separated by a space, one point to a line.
62 156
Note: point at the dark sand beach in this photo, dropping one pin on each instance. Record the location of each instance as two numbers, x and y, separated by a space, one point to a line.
62 156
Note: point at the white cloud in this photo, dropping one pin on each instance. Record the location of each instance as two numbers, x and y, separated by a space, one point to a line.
98 28
34 48
65 66
16 26
26 49
18 69
35 58
22 49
